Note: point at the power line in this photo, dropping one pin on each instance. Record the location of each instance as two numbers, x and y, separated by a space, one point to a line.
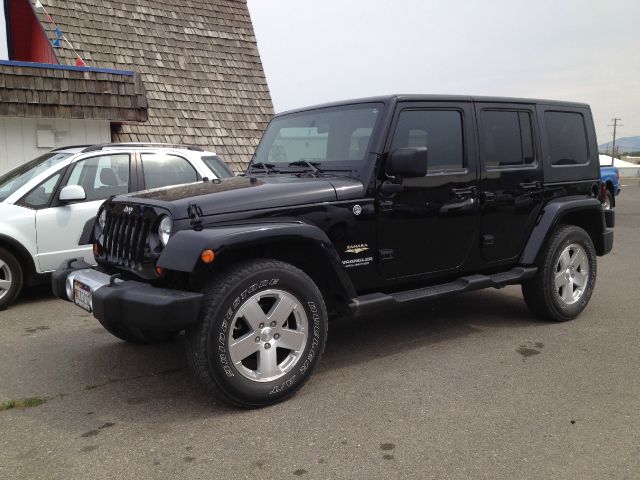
613 144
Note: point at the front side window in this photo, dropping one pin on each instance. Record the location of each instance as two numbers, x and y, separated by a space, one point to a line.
19 176
506 139
567 138
438 130
334 134
40 196
102 176
164 170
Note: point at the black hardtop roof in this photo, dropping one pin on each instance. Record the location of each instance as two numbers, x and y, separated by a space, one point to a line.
438 98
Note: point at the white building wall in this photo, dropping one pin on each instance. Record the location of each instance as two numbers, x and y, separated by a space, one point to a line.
23 139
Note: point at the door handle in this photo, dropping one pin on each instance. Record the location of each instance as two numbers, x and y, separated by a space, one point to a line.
454 207
464 191
530 185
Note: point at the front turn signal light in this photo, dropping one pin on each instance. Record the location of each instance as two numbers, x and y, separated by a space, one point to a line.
207 256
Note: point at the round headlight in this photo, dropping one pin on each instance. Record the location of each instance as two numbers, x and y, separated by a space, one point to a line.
164 230
102 218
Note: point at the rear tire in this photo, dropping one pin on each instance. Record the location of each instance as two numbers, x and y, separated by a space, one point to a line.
261 333
11 277
566 275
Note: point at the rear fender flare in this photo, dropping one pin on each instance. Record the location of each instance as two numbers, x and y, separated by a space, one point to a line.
553 213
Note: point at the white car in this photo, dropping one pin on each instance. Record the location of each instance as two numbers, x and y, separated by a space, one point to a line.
45 203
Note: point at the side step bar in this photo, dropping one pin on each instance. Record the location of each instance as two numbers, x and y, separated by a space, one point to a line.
374 302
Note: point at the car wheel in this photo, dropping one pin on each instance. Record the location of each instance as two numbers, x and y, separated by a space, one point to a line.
136 335
607 200
261 333
566 275
10 278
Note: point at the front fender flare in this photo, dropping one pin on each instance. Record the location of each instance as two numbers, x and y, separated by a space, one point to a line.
183 250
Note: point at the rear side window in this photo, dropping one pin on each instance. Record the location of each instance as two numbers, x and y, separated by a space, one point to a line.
438 130
506 139
217 166
163 170
567 138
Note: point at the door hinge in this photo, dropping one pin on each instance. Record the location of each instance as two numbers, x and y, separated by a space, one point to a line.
385 254
195 215
385 205
488 240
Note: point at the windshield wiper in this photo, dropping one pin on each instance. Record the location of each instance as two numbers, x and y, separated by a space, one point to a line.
306 163
266 167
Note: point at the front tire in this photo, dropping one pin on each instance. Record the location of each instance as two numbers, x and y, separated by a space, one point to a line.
10 278
261 333
566 275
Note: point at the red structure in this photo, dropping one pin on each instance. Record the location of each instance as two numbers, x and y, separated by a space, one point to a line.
29 43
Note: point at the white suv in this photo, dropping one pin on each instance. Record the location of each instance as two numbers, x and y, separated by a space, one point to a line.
45 203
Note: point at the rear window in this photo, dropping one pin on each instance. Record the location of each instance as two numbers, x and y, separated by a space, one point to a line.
506 139
567 138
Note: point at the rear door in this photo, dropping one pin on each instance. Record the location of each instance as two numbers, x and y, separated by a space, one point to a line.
431 225
511 178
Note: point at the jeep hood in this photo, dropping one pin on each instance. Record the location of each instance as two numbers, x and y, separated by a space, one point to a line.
237 194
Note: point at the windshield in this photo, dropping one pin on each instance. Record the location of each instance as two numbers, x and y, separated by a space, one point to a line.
217 166
324 136
16 178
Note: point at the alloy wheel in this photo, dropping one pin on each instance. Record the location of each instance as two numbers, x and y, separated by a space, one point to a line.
572 274
6 279
268 335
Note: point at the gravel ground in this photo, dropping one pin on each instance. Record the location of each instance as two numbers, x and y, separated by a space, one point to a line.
472 387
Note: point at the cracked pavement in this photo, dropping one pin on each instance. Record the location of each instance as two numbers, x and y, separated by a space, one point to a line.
469 387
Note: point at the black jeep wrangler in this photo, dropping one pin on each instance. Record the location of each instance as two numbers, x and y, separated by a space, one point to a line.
347 209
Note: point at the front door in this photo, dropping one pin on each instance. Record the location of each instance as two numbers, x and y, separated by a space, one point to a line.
511 178
59 227
430 226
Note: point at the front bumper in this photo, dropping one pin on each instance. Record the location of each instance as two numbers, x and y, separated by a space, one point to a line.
128 302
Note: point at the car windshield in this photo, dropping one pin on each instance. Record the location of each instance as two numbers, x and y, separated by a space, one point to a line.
325 136
217 166
16 178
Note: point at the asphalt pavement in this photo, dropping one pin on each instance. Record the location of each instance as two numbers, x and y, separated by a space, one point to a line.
472 387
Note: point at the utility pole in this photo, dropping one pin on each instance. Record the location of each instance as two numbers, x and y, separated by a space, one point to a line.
613 145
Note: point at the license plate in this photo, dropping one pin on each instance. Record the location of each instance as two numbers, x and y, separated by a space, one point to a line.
82 295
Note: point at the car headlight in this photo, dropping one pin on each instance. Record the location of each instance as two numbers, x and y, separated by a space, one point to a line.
102 218
164 230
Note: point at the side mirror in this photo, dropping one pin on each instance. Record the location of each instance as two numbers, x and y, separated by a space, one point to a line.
408 162
72 193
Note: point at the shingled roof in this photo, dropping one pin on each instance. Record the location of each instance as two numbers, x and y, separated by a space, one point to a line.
198 60
48 91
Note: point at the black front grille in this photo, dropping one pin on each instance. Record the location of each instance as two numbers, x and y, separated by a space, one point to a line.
125 239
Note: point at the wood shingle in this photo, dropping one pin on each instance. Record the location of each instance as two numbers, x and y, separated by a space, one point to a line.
198 61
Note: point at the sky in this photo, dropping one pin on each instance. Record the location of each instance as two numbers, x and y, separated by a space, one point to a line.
315 51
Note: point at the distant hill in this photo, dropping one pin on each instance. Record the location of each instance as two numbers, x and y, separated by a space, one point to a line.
626 144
